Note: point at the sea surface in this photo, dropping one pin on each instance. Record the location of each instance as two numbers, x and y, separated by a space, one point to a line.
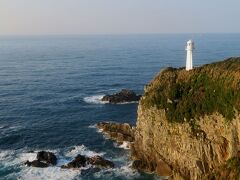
50 88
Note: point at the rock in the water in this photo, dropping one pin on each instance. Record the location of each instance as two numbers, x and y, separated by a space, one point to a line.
78 162
100 161
47 157
118 132
36 163
123 96
82 161
44 159
138 164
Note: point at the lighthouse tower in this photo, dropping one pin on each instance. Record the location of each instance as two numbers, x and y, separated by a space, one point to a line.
189 49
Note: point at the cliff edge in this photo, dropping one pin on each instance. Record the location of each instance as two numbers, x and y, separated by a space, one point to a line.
188 123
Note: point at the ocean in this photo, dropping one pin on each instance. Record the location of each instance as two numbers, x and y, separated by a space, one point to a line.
50 90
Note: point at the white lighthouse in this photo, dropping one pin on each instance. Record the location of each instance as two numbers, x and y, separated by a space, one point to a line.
189 48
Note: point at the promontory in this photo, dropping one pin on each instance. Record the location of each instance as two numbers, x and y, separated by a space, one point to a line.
188 124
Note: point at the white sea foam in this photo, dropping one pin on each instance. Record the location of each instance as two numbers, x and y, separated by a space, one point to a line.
99 130
125 171
83 150
92 126
30 156
96 99
15 158
131 102
52 173
124 145
23 157
6 155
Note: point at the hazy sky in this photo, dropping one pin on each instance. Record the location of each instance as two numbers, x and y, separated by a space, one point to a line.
29 17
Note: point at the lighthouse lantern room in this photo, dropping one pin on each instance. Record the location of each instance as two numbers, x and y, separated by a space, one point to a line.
189 48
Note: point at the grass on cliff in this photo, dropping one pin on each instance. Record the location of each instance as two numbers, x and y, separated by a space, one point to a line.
230 170
193 94
233 164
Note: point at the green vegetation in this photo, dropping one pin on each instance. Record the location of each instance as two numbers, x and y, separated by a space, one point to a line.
202 91
230 170
233 164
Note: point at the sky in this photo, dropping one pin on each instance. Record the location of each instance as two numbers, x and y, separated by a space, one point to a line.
56 17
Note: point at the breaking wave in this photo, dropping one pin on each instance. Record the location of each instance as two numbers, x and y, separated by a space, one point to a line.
14 159
83 150
124 145
96 99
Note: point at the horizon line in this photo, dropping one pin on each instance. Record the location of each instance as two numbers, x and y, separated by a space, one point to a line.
117 34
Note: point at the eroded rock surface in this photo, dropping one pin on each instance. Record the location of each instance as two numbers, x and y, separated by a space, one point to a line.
123 96
118 132
100 161
78 162
187 120
43 159
82 161
36 163
48 157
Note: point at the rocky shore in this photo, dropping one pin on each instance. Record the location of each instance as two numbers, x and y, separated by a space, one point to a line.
45 159
188 123
82 161
188 126
124 96
125 133
120 133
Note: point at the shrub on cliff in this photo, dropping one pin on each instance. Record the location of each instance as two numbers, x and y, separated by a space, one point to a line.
230 170
192 94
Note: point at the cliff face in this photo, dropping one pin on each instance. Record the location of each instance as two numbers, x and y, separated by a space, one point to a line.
188 122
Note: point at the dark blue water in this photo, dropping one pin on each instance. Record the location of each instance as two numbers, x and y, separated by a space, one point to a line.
49 88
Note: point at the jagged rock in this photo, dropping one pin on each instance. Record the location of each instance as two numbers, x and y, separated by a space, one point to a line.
47 157
117 132
123 96
44 159
139 164
36 163
157 165
82 161
78 162
99 161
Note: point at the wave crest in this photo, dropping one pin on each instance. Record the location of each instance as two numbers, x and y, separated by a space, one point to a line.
83 150
96 99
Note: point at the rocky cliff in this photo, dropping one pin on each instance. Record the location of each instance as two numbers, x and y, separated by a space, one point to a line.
188 123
